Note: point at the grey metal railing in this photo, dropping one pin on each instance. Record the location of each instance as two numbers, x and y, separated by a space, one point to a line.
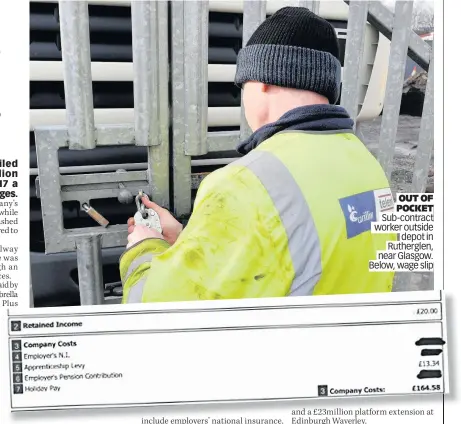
404 42
189 113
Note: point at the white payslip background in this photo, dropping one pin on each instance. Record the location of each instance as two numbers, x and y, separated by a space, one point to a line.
275 360
14 109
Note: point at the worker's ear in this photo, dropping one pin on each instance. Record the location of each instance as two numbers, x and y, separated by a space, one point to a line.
264 88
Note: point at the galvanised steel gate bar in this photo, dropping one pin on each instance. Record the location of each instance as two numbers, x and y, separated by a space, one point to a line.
75 42
189 136
424 152
353 56
75 35
31 291
89 265
426 137
181 162
190 103
150 61
254 13
395 79
150 84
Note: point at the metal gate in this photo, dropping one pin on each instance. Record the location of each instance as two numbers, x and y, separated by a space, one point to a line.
151 128
188 116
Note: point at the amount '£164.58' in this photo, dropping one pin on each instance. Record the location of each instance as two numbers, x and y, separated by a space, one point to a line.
427 388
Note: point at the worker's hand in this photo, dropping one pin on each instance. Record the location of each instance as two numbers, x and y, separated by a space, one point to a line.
170 227
140 233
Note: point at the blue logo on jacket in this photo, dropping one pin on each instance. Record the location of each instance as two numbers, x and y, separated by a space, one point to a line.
359 211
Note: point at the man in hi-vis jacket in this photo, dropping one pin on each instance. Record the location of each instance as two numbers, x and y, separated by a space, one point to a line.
292 217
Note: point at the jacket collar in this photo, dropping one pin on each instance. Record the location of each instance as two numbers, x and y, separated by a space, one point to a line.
304 118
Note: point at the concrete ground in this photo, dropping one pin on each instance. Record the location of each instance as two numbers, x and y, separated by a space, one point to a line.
406 143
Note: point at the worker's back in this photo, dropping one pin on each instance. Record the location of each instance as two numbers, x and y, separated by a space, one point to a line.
327 189
292 217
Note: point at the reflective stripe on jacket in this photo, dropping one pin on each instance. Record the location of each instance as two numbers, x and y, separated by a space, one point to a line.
292 217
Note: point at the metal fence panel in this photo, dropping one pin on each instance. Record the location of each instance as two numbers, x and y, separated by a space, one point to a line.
393 97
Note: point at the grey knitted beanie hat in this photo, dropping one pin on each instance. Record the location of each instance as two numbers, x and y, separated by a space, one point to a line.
293 48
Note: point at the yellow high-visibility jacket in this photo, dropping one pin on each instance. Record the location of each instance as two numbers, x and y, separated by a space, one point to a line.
292 217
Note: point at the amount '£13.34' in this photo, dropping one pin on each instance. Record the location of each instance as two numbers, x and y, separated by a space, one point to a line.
429 364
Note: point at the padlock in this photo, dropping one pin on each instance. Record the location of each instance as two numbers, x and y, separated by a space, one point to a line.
145 216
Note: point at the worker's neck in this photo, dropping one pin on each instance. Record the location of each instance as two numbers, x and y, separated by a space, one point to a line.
288 100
